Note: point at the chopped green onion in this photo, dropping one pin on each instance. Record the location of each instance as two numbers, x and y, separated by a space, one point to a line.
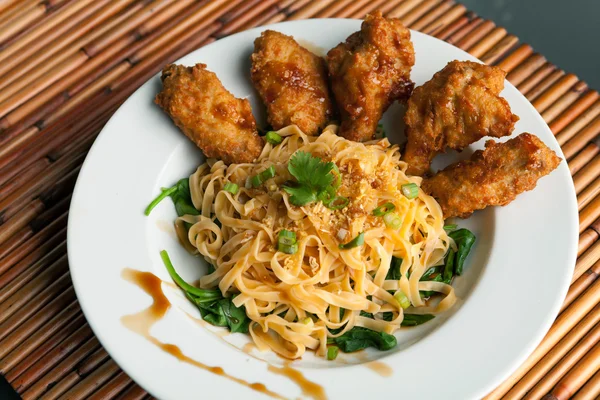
384 209
231 188
450 227
410 190
256 181
357 241
288 248
163 194
307 320
203 294
337 203
392 221
332 352
286 238
402 299
273 138
268 173
338 181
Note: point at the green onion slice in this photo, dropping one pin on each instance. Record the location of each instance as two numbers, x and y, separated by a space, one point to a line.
256 181
201 293
384 209
273 138
286 238
410 190
357 241
450 227
231 188
268 173
332 352
392 221
337 203
402 299
288 248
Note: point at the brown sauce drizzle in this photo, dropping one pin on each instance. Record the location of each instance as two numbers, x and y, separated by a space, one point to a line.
141 323
308 388
380 368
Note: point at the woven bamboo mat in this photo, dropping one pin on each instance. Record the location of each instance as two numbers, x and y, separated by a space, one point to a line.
66 65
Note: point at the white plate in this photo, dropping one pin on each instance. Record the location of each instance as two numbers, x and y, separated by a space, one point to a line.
512 288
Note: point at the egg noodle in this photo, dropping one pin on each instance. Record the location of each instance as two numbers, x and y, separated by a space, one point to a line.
295 300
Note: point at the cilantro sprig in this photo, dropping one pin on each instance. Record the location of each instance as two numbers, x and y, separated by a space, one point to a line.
315 180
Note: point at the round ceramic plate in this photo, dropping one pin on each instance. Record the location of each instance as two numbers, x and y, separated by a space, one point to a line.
513 285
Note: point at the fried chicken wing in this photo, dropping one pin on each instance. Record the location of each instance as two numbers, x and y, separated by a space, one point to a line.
292 83
219 123
457 107
369 72
492 177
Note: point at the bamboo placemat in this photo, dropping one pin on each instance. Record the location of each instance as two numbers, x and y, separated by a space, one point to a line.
66 65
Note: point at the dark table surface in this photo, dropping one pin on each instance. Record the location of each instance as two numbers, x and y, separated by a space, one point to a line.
564 31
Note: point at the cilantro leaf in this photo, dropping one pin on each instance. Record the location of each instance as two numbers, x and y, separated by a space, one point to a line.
313 176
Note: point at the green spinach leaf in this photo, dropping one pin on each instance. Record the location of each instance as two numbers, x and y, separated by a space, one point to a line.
464 239
394 271
416 319
359 338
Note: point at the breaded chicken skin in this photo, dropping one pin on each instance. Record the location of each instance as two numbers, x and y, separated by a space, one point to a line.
492 177
219 123
369 72
292 83
458 106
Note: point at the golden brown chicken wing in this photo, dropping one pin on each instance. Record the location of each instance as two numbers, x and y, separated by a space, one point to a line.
292 82
219 123
369 72
492 177
458 106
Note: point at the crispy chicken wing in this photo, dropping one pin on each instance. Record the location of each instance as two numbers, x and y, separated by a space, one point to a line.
458 106
292 82
219 123
369 72
492 177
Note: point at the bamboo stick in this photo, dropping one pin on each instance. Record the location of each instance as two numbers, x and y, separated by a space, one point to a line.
565 118
515 58
475 35
262 19
403 8
18 9
562 86
578 142
9 6
238 11
500 49
524 70
551 359
290 6
14 139
544 84
89 364
591 390
164 16
15 241
452 28
21 21
445 19
436 12
565 322
583 157
88 384
574 127
565 101
417 12
588 259
587 174
464 30
590 213
586 239
56 364
52 213
488 42
19 327
23 271
590 192
367 8
562 357
112 388
35 346
235 24
311 9
582 283
17 222
30 173
581 372
133 392
537 77
352 8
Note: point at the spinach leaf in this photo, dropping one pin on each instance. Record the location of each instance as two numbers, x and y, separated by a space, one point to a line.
436 277
449 267
394 271
415 319
224 313
359 338
181 196
464 239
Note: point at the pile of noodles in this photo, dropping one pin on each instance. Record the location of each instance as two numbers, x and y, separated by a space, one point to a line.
295 300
